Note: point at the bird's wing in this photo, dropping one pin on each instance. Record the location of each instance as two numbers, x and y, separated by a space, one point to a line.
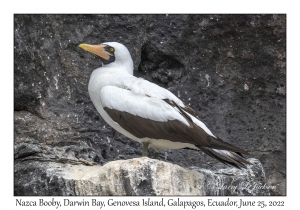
149 117
146 116
141 115
146 88
198 128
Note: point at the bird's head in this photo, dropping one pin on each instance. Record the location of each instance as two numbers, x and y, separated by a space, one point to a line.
110 52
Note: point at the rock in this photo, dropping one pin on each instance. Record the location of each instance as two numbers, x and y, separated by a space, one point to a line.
138 176
205 60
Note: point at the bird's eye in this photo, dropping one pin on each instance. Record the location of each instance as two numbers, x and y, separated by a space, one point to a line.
111 49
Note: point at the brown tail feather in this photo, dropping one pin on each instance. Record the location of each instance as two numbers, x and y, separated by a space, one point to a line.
226 157
218 143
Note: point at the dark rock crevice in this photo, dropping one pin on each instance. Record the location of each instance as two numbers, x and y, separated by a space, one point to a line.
160 67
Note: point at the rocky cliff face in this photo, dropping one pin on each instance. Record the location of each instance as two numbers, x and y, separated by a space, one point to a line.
138 176
231 69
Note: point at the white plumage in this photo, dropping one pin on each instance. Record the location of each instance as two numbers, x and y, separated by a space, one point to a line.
146 112
139 105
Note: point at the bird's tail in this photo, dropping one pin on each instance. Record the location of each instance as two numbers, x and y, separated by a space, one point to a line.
227 157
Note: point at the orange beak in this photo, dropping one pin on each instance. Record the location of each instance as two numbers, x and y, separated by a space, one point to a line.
96 50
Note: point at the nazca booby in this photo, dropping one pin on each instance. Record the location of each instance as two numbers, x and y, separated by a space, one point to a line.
148 113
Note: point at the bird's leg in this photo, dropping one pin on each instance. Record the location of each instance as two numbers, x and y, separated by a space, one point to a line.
156 154
145 149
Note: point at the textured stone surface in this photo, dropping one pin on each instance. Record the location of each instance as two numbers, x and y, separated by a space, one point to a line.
230 68
138 176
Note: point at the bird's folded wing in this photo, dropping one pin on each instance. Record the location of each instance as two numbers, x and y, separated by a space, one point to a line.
149 117
146 88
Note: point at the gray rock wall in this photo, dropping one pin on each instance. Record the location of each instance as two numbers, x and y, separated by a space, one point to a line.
230 68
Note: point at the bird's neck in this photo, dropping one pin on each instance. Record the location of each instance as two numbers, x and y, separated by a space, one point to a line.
125 66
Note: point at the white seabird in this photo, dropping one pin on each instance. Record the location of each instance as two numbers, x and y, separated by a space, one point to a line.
148 113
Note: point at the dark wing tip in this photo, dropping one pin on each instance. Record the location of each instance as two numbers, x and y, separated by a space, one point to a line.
228 158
